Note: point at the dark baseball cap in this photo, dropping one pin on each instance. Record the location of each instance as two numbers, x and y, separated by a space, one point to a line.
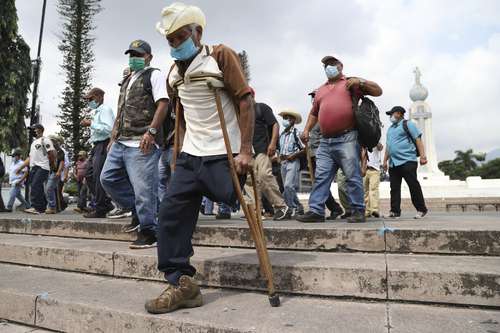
36 126
16 152
329 59
139 46
94 92
396 109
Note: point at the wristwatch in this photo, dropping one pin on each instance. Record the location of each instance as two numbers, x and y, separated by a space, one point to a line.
152 131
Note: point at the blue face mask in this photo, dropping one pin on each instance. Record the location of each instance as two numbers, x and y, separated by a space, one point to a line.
185 51
92 105
331 71
285 123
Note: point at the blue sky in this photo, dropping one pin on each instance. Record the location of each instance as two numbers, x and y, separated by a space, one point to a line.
456 44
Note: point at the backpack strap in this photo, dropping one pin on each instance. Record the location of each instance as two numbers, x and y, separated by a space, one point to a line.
355 99
297 140
407 131
408 135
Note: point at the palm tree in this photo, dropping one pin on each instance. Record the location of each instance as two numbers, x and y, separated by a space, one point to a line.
467 159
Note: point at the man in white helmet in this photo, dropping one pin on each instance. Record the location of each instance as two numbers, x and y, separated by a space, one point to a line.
202 168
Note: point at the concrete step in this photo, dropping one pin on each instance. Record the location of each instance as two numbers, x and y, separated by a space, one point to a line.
10 327
421 278
73 302
440 234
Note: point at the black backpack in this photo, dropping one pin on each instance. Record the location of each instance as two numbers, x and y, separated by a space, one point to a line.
368 122
408 134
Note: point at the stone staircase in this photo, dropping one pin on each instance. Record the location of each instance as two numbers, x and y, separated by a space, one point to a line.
64 273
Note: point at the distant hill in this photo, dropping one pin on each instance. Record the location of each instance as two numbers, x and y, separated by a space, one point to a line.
495 153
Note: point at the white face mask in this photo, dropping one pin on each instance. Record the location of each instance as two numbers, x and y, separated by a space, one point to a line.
285 123
393 119
331 71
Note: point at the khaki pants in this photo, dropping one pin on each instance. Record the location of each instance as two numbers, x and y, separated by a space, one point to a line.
371 182
266 183
343 196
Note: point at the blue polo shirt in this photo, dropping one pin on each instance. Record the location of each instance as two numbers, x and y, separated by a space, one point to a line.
102 123
399 146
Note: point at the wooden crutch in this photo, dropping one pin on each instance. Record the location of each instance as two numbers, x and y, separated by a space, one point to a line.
254 222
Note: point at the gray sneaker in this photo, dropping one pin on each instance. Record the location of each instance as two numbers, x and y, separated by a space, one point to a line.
119 213
420 215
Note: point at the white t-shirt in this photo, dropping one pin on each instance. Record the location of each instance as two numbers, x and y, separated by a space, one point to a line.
159 88
39 153
374 160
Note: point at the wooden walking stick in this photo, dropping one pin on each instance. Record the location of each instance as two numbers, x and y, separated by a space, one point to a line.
254 223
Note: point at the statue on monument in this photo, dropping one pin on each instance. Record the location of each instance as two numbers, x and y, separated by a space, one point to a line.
420 113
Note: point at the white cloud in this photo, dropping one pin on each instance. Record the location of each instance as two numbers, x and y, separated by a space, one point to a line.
455 43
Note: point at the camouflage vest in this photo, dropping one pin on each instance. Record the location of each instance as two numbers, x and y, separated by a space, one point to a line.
136 108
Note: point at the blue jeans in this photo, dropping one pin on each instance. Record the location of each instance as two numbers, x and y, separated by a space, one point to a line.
15 192
164 171
290 175
131 180
209 206
38 177
223 208
333 153
52 183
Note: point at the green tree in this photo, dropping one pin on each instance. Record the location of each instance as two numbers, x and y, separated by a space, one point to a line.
463 165
15 80
489 170
450 168
244 64
76 46
468 159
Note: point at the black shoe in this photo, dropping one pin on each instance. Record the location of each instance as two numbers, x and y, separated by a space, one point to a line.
95 215
145 239
5 210
334 215
132 226
223 216
119 213
376 215
279 213
284 214
346 215
394 215
299 210
357 217
310 217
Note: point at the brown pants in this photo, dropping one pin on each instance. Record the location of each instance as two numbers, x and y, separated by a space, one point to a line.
371 182
266 182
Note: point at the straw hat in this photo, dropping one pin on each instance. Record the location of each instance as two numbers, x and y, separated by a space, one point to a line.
292 113
177 15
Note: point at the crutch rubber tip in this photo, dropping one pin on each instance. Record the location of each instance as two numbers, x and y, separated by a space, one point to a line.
274 300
